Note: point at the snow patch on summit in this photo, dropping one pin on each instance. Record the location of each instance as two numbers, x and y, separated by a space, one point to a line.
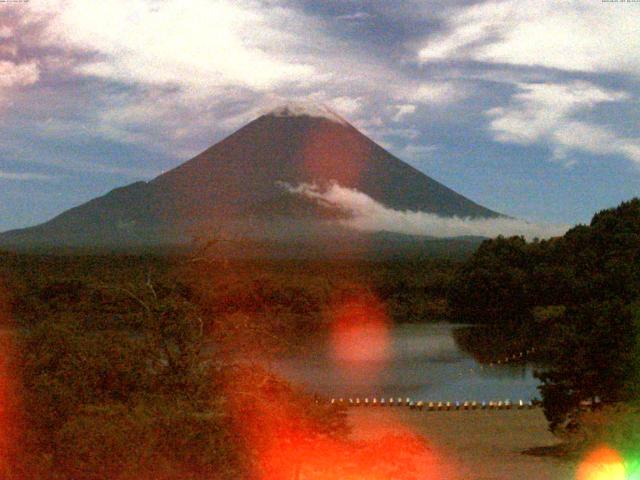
305 109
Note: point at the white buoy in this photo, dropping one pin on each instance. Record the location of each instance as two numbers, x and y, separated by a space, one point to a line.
420 405
520 404
431 406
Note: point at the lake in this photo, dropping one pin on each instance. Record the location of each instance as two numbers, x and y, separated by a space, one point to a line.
422 362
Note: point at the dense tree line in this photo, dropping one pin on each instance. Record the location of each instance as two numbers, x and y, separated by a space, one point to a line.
576 297
412 290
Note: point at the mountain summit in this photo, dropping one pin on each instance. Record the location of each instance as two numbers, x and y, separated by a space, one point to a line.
237 186
305 109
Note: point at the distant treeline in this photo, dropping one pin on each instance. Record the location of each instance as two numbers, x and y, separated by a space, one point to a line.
411 290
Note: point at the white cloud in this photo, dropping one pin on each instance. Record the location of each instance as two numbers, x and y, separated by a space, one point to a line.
406 133
305 109
416 152
26 153
200 70
594 139
18 74
5 32
438 92
403 111
346 105
370 215
202 45
4 175
355 16
547 112
567 35
13 76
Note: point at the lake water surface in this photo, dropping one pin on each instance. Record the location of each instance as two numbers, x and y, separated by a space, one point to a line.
422 362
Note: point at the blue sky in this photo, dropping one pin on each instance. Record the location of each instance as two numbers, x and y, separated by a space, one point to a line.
528 107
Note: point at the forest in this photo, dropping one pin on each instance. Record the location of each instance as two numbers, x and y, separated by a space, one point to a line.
577 299
148 366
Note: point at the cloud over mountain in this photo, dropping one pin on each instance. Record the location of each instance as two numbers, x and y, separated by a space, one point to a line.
366 214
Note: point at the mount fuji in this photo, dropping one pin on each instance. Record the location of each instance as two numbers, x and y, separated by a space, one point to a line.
238 189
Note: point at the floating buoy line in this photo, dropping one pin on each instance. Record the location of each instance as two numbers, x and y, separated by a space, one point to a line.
434 406
515 358
440 406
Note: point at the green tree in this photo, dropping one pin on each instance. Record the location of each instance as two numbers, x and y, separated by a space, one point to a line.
493 286
594 355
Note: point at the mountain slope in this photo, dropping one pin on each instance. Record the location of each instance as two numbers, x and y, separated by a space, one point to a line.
236 186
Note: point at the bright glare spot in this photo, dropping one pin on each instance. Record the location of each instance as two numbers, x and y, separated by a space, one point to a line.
603 463
360 332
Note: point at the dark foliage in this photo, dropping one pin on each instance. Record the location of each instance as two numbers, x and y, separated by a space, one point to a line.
147 366
574 298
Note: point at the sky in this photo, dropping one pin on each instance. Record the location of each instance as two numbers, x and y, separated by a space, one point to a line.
528 107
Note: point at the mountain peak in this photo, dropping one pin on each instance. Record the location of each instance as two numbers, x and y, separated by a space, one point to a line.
235 188
306 109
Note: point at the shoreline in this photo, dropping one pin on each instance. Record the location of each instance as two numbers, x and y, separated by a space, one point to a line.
473 445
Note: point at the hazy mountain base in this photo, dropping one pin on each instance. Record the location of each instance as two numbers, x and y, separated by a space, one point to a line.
324 234
277 240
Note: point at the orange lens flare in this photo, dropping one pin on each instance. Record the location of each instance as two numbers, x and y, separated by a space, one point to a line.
9 411
360 334
401 455
330 153
603 463
286 440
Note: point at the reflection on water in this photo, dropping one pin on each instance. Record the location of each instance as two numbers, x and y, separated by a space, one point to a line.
425 363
